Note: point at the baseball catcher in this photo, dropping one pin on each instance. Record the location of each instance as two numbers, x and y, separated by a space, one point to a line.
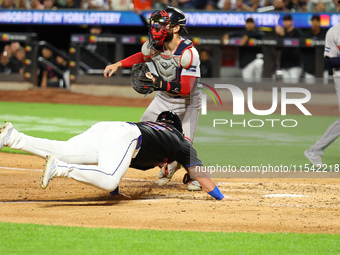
174 71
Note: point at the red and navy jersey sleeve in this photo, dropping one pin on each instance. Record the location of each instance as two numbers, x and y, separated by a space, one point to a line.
133 59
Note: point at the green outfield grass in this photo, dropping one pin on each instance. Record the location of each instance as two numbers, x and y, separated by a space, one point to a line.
40 239
221 144
59 121
238 145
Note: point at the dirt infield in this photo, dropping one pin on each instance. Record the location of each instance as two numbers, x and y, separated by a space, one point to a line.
67 202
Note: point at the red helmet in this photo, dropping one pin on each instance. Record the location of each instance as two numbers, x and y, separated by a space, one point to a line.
159 22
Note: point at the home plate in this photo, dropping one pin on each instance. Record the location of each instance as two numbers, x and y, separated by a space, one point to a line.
285 195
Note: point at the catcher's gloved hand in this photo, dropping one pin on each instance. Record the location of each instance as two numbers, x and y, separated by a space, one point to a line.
142 79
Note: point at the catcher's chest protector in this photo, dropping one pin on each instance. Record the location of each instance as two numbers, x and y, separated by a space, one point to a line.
169 66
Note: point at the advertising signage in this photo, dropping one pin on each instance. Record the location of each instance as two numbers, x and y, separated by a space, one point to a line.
129 18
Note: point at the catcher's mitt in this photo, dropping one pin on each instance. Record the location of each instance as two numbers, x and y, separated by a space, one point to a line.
141 79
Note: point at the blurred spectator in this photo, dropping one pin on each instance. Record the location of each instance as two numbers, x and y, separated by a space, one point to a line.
21 57
326 5
303 5
279 5
10 62
8 4
336 6
185 4
23 4
15 46
293 5
143 5
71 4
98 48
37 5
320 7
94 4
62 64
290 57
160 4
250 58
204 4
48 4
210 6
90 55
206 65
120 5
4 60
236 5
309 53
255 4
51 4
220 4
48 75
14 63
12 48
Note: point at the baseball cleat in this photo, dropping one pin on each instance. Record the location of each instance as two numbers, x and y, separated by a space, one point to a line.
194 185
166 173
49 172
5 133
162 181
314 158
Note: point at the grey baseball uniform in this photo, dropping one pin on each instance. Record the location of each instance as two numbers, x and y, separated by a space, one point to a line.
332 50
172 67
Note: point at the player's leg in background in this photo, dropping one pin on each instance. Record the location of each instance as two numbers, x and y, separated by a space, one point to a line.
258 69
191 115
291 75
190 121
286 76
295 74
164 102
183 107
116 144
154 109
247 72
159 104
315 153
309 78
325 77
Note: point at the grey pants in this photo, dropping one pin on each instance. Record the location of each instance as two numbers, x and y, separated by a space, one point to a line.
187 109
333 130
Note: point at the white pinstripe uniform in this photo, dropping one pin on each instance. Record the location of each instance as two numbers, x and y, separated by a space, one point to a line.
332 50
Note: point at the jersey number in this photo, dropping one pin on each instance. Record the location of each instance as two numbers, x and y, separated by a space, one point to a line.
155 126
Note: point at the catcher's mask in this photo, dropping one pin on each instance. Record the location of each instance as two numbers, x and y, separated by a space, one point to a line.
171 118
162 21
